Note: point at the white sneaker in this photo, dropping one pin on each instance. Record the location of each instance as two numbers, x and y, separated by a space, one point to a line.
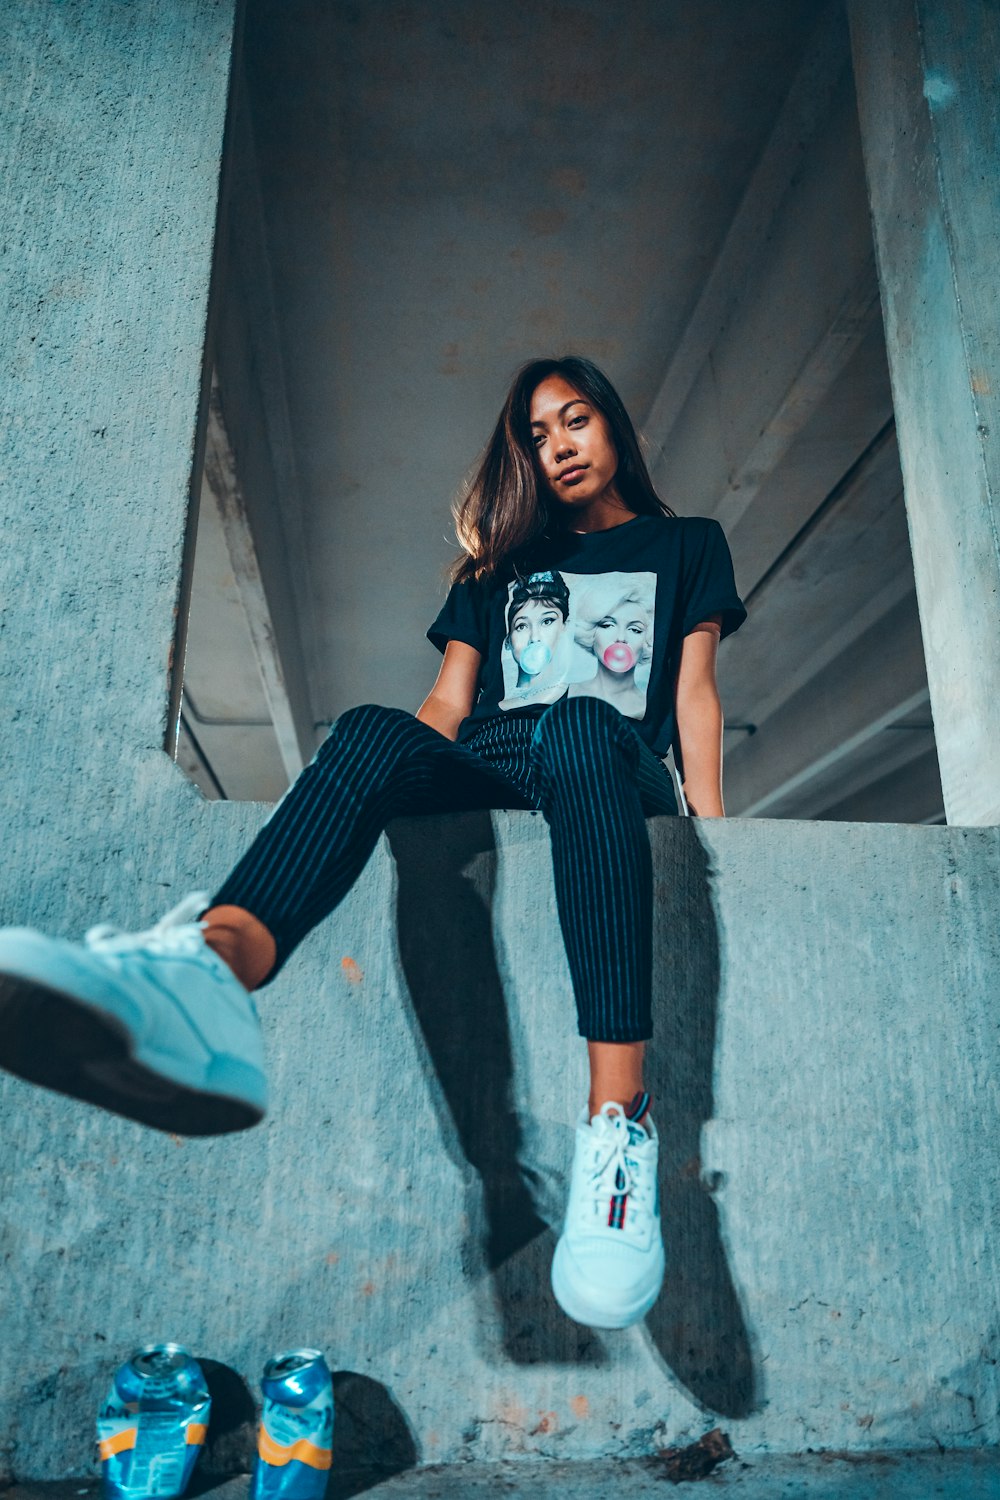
609 1263
152 1025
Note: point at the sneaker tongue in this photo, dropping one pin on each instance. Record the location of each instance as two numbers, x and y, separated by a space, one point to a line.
629 1115
609 1119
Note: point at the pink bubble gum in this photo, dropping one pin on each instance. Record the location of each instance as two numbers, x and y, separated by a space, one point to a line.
618 657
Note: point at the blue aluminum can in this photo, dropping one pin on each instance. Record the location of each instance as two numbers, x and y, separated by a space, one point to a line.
295 1437
151 1427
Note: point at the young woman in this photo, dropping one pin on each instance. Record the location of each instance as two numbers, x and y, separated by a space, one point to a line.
159 1025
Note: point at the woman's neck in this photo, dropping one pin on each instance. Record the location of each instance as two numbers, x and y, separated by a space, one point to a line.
601 514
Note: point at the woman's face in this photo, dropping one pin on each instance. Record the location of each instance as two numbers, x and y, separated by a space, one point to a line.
620 636
534 633
573 445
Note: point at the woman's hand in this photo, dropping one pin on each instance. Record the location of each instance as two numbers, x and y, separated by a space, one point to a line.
451 698
699 719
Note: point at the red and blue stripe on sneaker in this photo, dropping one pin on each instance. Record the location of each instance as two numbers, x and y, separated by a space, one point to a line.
616 1213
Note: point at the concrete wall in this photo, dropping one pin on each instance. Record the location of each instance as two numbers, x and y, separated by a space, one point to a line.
927 99
826 1089
826 1070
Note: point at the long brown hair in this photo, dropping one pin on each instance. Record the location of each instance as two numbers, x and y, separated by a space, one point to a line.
506 507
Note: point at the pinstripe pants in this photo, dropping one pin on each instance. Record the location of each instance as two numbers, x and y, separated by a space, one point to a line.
581 763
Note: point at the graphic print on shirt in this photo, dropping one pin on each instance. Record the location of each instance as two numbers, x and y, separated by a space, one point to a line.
579 634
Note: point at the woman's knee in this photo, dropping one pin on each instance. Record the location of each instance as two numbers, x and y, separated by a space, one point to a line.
583 723
366 715
378 728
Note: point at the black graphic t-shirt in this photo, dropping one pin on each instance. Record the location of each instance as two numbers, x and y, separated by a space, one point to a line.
603 615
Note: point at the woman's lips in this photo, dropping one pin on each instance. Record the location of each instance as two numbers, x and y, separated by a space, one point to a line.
569 475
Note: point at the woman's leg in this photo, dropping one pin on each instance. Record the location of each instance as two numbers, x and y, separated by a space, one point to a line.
153 1025
616 1072
377 763
594 791
592 767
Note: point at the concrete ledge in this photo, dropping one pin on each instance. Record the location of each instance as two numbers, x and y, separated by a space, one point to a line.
825 1080
826 1062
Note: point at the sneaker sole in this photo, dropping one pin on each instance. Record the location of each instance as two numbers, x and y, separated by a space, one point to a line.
61 1042
577 1306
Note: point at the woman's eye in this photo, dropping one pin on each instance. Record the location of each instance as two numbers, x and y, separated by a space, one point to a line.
577 421
538 439
605 624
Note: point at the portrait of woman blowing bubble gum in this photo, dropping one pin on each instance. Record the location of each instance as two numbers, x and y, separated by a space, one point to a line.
536 639
614 621
160 1025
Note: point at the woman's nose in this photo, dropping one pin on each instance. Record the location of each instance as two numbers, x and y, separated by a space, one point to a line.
564 448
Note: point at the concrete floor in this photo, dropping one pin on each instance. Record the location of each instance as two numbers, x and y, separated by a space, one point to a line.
819 1476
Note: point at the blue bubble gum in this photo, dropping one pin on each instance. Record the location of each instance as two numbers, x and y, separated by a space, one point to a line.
535 658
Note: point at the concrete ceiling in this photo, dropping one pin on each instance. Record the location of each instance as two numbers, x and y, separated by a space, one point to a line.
421 197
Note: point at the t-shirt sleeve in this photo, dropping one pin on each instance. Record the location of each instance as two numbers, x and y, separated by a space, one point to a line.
708 580
462 617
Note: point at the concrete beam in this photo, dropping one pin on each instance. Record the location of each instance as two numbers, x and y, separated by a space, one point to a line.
805 109
926 82
224 483
787 306
891 751
832 717
844 570
808 388
854 410
909 794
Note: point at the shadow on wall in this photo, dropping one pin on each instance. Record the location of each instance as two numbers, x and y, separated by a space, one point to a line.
231 1440
697 1324
446 950
371 1439
447 955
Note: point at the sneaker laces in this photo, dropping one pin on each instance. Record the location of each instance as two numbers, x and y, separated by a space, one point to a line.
609 1149
176 932
612 1174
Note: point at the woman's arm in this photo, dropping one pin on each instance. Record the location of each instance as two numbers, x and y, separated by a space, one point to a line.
451 698
699 719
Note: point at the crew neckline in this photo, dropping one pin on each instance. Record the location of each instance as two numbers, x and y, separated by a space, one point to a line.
583 536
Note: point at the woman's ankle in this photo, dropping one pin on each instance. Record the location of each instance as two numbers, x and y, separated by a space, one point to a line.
242 941
616 1073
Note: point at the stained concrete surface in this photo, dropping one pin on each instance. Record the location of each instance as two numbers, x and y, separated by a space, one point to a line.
825 1075
811 1476
827 1053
